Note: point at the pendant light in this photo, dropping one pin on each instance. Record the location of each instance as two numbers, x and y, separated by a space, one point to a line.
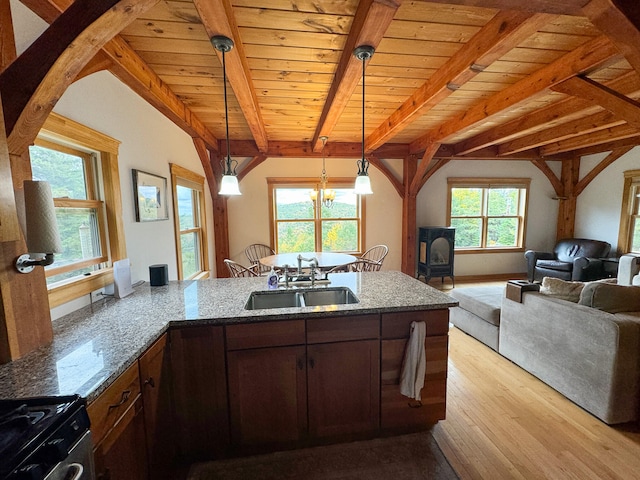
363 183
327 195
229 182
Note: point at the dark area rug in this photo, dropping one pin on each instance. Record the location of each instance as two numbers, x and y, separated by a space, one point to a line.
406 457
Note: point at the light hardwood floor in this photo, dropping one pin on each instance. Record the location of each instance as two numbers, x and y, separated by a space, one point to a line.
503 423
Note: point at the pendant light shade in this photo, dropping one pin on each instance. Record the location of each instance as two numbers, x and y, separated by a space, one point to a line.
363 183
229 181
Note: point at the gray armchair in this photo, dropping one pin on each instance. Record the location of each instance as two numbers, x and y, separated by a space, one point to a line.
575 259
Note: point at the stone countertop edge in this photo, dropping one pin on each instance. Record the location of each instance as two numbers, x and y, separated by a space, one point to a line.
92 346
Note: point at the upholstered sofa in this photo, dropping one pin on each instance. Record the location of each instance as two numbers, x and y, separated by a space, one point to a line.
575 259
589 351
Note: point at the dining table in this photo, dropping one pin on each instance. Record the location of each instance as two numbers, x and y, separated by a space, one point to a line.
326 260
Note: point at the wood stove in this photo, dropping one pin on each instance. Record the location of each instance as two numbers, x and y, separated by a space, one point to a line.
435 252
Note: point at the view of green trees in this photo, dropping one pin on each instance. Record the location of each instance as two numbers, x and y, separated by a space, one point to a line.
78 227
470 207
296 223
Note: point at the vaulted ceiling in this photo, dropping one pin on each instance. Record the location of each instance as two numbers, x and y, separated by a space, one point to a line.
460 78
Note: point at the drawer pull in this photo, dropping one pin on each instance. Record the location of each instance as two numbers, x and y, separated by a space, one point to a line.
123 399
149 381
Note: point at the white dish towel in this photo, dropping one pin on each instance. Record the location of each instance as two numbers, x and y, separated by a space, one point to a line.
415 362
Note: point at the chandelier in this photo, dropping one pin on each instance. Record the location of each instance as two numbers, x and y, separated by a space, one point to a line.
327 195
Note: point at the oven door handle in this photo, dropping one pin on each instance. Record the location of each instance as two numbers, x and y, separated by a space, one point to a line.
75 471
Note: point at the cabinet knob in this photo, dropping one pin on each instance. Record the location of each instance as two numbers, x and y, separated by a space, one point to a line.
312 362
149 381
300 363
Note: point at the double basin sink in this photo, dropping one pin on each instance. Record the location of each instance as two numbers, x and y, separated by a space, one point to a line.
300 298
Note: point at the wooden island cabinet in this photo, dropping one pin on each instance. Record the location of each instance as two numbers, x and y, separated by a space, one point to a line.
209 391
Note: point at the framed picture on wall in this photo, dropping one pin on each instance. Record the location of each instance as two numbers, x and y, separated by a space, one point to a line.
150 192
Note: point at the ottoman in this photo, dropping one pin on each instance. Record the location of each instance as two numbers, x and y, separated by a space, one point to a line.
478 313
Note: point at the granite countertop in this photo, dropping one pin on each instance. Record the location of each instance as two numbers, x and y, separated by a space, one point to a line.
95 344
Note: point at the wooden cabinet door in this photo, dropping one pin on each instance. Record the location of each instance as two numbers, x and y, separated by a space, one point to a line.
199 393
156 396
121 455
344 388
267 395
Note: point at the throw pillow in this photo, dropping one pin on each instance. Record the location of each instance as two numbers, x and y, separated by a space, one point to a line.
561 289
610 297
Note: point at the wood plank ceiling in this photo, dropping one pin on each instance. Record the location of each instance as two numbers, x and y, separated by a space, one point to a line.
459 78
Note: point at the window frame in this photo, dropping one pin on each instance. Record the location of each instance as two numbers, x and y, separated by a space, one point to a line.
314 183
180 176
486 184
91 202
66 132
631 188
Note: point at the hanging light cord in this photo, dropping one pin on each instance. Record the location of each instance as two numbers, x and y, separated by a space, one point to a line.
228 170
363 164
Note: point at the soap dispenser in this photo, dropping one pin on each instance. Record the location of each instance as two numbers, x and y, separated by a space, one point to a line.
272 279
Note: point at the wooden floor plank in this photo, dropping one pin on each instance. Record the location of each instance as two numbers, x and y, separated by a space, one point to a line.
503 423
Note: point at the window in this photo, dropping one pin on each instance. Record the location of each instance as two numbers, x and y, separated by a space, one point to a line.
81 165
302 225
488 214
629 235
79 212
190 226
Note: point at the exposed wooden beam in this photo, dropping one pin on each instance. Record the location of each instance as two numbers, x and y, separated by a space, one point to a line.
386 171
623 107
608 160
217 19
582 141
97 64
555 181
371 20
502 33
566 221
409 208
244 148
33 83
135 73
558 133
563 7
7 39
564 110
253 163
423 167
608 146
620 21
591 54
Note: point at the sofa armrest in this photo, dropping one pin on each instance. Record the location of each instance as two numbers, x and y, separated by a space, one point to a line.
532 257
586 269
590 356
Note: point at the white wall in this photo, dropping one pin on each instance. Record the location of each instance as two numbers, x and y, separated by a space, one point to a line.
599 205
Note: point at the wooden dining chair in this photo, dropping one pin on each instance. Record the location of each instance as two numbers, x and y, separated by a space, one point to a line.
255 252
362 265
375 255
238 270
